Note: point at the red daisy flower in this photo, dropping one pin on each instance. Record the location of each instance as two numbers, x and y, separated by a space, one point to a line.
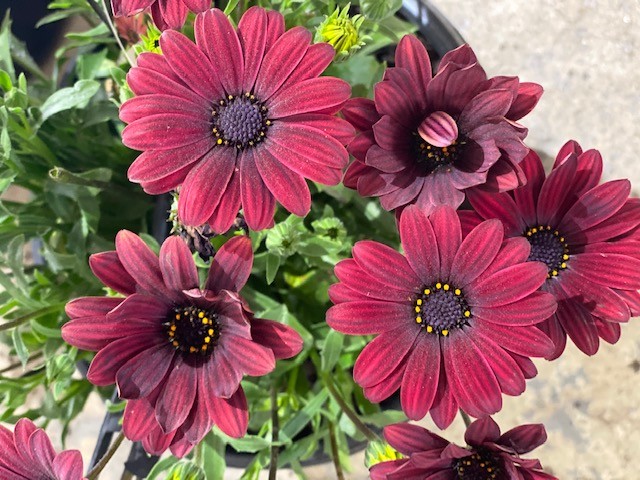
239 119
27 454
426 140
166 13
454 317
176 351
488 454
586 234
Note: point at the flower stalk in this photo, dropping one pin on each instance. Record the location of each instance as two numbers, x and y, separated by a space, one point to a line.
95 472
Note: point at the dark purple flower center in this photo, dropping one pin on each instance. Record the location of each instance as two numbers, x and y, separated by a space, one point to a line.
192 330
440 308
549 247
433 158
482 465
240 121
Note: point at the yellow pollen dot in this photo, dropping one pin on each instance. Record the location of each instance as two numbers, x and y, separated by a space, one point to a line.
418 319
438 285
562 239
207 339
210 332
556 233
203 348
171 334
445 332
262 134
173 328
534 230
482 465
230 97
222 102
177 316
427 291
201 315
444 149
419 301
489 469
417 309
467 313
219 141
554 273
457 291
252 97
563 265
565 257
529 233
429 328
247 94
193 349
446 286
268 122
548 227
175 343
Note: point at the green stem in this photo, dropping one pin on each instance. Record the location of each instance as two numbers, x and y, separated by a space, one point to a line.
33 357
198 457
275 433
465 418
348 411
93 474
335 454
106 18
25 318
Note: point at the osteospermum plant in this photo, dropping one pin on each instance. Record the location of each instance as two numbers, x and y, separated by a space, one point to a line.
271 235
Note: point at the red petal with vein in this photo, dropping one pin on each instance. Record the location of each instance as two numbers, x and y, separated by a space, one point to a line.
177 396
508 285
182 56
336 127
139 419
287 186
409 439
280 61
205 185
579 325
231 266
386 265
252 33
439 129
158 103
221 44
514 250
482 430
129 7
165 131
608 269
284 341
157 164
68 465
315 60
258 204
524 438
169 14
91 306
140 262
368 317
420 380
504 367
477 252
231 415
226 212
472 380
108 268
412 55
309 96
386 352
176 263
352 276
531 310
143 373
526 341
111 358
420 244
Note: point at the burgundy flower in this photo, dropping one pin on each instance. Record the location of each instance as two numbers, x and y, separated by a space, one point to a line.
166 13
175 351
454 317
488 454
27 454
586 234
427 140
238 119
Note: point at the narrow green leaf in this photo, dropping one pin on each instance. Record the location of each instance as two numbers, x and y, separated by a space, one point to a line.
6 62
331 350
213 454
273 263
21 349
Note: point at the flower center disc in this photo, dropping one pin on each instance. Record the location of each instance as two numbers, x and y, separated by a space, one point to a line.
440 308
479 466
192 330
549 247
240 121
433 158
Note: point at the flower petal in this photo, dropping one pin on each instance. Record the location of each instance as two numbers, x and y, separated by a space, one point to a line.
508 285
176 263
68 465
108 268
176 398
283 340
231 415
252 33
140 375
524 438
386 265
420 380
477 252
368 317
409 439
111 358
420 243
531 310
481 431
308 96
231 266
258 204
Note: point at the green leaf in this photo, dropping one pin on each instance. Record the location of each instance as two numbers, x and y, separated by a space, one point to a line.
248 443
273 263
304 416
6 62
21 349
45 331
70 97
5 81
89 64
161 466
379 9
331 350
213 454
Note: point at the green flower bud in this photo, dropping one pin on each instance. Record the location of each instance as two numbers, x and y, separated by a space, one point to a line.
150 41
378 452
342 32
186 470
